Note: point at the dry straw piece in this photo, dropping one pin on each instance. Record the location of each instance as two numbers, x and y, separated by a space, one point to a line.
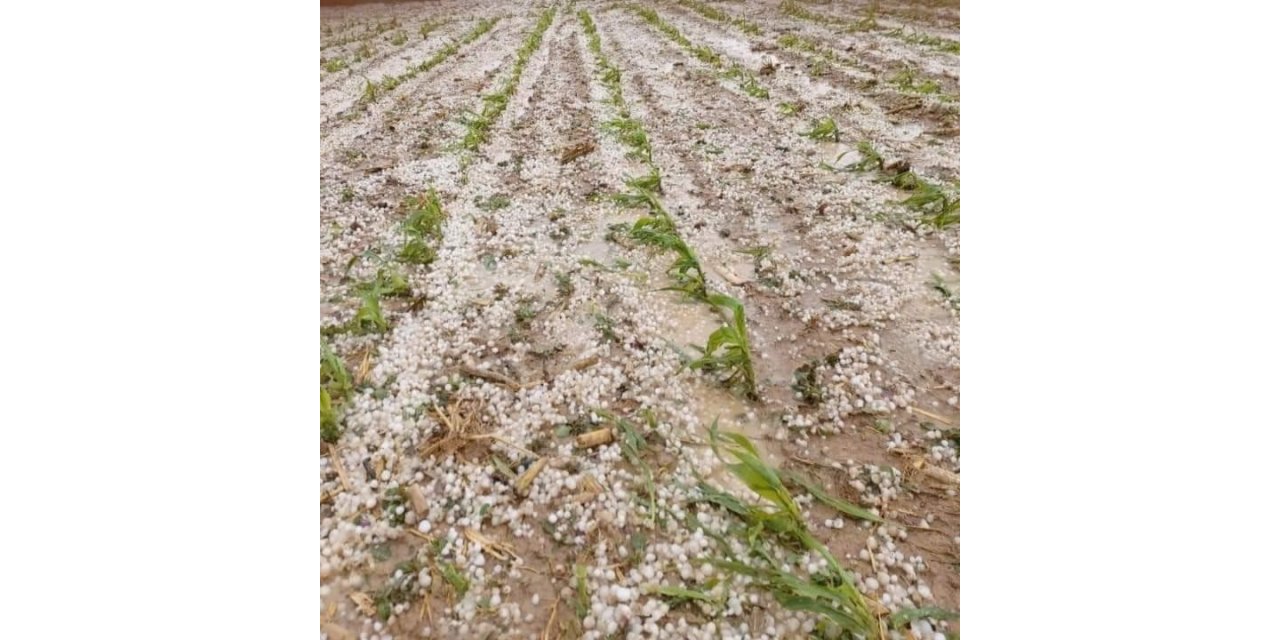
526 479
595 438
364 603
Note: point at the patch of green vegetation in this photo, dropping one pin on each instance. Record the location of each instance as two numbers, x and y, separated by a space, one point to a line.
399 588
831 594
581 604
334 64
399 38
937 208
493 202
728 348
422 229
329 428
631 133
454 577
348 193
908 79
369 318
824 129
788 108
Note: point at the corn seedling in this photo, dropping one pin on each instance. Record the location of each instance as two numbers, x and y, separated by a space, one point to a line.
329 428
369 318
333 373
422 228
831 595
631 133
728 347
908 80
869 158
753 88
649 182
454 577
335 64
370 92
824 129
937 209
399 38
387 283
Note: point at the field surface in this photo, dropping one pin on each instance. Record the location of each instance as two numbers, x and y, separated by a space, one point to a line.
640 320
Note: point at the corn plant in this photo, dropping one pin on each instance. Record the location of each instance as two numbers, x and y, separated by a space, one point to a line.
369 318
651 181
335 64
937 208
728 347
907 79
335 385
631 133
329 428
824 129
333 373
833 595
422 229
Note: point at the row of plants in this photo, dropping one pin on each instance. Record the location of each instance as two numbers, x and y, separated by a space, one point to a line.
906 80
420 235
478 124
370 32
746 80
868 23
373 90
934 205
728 349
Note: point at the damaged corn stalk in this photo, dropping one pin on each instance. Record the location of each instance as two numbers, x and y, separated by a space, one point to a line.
479 124
832 594
728 348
